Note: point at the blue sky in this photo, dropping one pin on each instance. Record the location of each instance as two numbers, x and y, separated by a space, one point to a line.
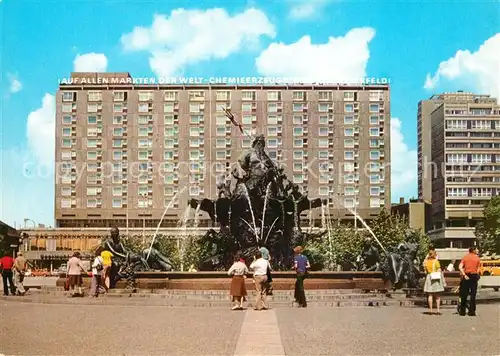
424 48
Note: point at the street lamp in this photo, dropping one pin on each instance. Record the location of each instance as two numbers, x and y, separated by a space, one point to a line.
32 221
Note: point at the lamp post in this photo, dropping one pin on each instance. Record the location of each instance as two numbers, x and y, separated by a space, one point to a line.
30 220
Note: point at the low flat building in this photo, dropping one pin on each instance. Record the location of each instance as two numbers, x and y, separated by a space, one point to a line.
9 238
416 212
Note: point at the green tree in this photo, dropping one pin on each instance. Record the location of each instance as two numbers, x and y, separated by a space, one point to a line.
488 231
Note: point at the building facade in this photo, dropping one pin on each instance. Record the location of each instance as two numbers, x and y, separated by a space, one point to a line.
125 150
416 213
464 166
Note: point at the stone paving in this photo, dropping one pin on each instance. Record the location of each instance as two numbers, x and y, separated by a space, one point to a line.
37 329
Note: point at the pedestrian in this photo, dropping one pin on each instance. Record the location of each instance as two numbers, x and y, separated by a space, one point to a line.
266 255
107 261
238 290
97 268
434 281
6 264
451 266
259 267
300 265
74 274
469 270
20 267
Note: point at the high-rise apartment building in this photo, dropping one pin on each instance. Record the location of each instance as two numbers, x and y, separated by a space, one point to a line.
462 133
124 150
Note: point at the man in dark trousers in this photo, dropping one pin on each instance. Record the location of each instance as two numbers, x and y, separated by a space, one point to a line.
301 265
6 263
469 269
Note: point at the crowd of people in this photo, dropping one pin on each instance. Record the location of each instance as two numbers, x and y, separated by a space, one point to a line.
262 279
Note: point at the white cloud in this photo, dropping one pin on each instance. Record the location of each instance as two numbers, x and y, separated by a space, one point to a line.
90 62
41 131
480 69
307 9
404 164
340 59
15 84
192 36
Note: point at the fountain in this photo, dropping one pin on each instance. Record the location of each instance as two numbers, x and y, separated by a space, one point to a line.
262 203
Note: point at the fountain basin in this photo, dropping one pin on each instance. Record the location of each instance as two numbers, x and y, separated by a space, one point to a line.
281 280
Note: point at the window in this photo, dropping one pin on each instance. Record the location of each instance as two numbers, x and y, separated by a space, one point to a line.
67 107
272 131
374 131
145 95
298 107
348 120
376 95
220 155
298 178
94 96
194 107
91 179
323 131
91 142
324 120
482 192
298 131
349 155
93 107
223 95
374 191
66 131
119 95
348 178
247 95
194 155
143 155
298 143
195 142
481 124
68 96
142 131
170 131
299 95
247 107
298 154
272 120
323 143
323 155
456 124
117 203
481 158
118 143
349 203
168 155
348 96
246 143
194 131
348 167
143 107
169 167
374 107
144 119
66 191
117 107
323 179
117 120
91 191
273 95
323 107
374 144
323 166
170 95
348 143
272 143
117 155
221 120
456 158
220 142
67 120
92 155
66 155
349 108
92 131
248 119
349 132
92 167
374 167
272 107
349 191
374 155
118 131
374 120
323 191
324 95
298 167
65 203
168 107
168 119
66 143
457 192
374 202
169 143
297 119
374 178
92 120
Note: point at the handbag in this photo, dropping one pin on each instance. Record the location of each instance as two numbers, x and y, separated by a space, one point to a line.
66 284
435 275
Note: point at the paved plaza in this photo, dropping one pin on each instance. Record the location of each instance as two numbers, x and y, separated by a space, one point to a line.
51 329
